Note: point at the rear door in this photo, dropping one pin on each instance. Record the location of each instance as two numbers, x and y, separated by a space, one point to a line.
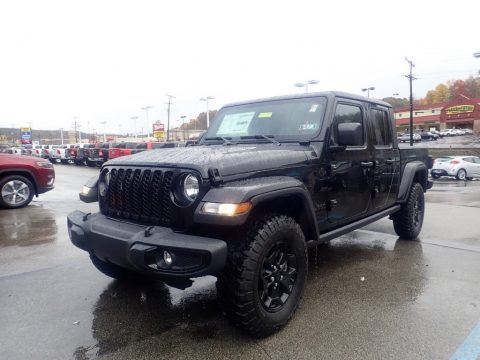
386 157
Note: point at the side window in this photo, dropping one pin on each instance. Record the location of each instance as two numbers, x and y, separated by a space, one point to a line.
477 160
380 128
470 160
346 113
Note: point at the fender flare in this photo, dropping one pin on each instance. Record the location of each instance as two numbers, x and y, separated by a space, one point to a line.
258 191
408 175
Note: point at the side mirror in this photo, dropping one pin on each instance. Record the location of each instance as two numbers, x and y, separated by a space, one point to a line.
350 134
89 191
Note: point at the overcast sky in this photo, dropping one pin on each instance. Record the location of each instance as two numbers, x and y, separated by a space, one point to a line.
104 60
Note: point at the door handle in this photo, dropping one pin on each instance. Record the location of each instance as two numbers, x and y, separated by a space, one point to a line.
366 164
389 161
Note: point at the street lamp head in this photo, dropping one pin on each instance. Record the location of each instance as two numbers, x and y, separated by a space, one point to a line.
207 98
395 94
313 82
300 84
476 54
183 116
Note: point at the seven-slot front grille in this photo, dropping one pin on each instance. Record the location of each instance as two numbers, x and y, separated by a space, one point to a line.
141 195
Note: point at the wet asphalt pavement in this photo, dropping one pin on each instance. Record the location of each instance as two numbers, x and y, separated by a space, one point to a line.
368 295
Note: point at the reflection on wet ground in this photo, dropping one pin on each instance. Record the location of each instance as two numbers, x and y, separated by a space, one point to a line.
455 192
33 225
127 314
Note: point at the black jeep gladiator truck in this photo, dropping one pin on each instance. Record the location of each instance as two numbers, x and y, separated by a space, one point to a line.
270 179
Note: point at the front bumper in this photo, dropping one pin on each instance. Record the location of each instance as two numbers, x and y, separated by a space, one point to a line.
140 248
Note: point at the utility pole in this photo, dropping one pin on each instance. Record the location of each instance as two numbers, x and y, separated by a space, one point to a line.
75 127
410 77
168 115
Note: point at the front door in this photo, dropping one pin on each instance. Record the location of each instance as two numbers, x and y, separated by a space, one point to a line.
350 170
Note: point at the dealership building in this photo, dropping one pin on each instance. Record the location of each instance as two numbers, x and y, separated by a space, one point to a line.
461 113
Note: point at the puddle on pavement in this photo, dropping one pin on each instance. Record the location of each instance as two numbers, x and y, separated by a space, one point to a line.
32 225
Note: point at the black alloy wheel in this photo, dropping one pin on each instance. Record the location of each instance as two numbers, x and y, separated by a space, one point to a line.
408 221
263 281
278 277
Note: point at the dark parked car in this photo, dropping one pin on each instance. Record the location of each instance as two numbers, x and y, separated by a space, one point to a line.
270 179
22 177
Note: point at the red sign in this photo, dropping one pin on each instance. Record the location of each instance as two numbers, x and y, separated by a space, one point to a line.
158 127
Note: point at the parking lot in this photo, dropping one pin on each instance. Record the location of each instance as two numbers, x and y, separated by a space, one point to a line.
369 295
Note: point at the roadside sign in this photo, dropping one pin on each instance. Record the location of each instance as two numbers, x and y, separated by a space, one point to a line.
26 135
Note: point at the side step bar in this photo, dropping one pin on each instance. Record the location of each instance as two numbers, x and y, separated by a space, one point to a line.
353 226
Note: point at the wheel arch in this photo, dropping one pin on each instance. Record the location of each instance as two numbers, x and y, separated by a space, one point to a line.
277 194
21 172
415 171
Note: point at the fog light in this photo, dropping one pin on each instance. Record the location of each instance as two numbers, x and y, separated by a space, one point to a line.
167 258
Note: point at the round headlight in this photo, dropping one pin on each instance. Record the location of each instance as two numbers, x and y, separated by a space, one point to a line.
190 187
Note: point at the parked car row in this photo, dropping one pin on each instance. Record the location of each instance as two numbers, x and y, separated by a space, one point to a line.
461 167
88 154
455 132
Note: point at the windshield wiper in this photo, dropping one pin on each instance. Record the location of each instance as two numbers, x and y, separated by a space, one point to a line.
225 140
270 138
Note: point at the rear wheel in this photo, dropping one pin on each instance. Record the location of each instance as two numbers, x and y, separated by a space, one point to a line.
408 221
435 176
461 174
15 192
264 279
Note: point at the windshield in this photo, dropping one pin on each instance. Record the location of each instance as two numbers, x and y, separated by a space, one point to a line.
291 119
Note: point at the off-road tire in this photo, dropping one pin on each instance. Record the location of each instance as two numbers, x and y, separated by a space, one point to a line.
110 270
408 221
22 185
243 290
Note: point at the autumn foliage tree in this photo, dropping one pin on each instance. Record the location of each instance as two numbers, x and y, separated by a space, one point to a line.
452 89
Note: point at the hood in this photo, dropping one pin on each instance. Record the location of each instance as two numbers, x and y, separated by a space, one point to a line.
228 159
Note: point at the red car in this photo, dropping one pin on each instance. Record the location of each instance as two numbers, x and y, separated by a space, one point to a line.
22 177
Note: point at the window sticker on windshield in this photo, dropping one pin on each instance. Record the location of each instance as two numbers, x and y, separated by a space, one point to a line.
313 108
235 124
265 115
306 127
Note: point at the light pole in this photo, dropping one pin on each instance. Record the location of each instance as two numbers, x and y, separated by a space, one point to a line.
104 131
146 108
168 114
183 125
61 135
134 118
75 126
368 90
206 98
306 83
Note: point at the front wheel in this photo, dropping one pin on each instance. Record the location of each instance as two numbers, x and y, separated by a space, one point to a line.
15 192
263 281
435 176
408 221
